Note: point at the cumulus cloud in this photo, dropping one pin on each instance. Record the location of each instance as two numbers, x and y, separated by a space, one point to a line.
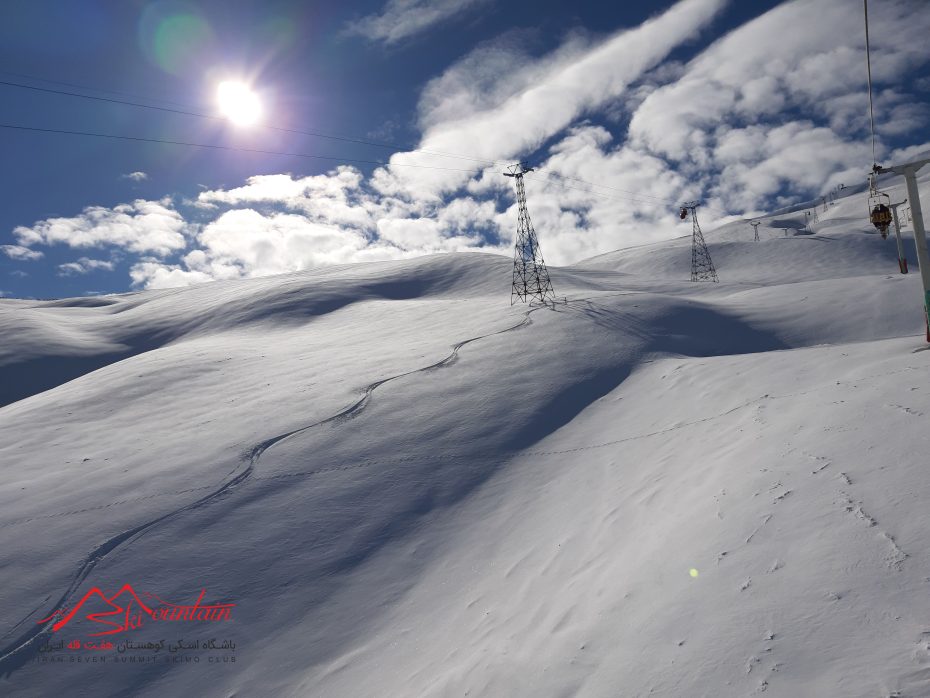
20 252
402 19
142 226
84 265
136 176
801 57
245 242
333 198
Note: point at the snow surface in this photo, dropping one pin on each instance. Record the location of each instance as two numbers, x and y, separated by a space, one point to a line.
411 488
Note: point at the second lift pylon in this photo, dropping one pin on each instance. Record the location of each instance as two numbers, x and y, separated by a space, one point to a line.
530 276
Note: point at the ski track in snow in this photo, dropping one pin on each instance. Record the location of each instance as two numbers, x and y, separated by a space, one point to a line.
16 654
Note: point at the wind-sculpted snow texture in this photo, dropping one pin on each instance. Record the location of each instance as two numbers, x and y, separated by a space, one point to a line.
409 487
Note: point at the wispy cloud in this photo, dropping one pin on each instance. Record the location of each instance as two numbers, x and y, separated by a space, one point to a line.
500 103
402 19
136 176
21 253
84 265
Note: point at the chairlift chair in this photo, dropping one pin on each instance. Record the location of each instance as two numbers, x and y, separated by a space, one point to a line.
880 212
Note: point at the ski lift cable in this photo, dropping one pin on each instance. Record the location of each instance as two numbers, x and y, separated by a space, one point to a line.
605 186
613 197
632 196
868 65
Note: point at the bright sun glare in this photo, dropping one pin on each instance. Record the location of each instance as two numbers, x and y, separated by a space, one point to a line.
238 103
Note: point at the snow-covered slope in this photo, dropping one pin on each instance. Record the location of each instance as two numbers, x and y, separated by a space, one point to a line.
409 487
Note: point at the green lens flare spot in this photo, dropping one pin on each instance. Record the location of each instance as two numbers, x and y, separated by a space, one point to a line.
177 39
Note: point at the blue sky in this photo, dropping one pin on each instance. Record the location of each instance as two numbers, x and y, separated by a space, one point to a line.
746 106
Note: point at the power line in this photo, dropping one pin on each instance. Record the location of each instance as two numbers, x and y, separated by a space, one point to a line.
346 139
259 151
552 176
280 129
93 89
232 148
634 196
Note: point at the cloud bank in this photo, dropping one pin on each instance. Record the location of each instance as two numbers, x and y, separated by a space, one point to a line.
772 113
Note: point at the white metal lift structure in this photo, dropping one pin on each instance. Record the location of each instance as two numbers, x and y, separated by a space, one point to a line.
909 172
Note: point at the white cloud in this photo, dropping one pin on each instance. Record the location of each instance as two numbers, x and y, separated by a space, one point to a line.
20 252
527 102
804 55
154 274
142 226
83 265
770 113
402 19
263 244
332 198
136 176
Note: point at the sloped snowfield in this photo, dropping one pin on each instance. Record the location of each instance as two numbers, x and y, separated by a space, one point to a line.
408 487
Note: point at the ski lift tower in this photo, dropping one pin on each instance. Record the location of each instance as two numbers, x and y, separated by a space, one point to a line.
909 172
702 267
902 259
755 230
530 276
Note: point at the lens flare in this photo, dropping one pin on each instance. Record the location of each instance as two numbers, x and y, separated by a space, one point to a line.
693 572
238 103
175 37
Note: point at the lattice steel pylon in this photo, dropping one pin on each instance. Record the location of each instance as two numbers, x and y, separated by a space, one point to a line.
530 276
702 267
755 229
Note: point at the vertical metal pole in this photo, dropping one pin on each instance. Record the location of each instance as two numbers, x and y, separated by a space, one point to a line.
902 260
920 238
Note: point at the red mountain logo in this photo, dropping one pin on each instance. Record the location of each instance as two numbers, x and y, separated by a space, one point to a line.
131 612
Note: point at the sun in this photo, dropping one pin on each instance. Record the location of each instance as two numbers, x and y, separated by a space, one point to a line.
238 103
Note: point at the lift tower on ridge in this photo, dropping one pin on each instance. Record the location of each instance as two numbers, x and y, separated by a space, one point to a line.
530 276
702 267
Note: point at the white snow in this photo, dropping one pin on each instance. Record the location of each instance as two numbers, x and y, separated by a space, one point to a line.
410 488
